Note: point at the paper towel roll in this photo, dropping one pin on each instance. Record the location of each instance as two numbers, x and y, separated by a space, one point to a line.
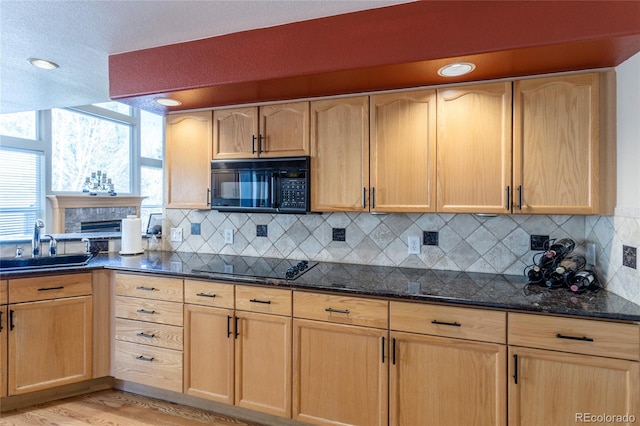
131 240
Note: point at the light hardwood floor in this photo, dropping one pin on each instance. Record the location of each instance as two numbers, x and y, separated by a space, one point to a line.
111 408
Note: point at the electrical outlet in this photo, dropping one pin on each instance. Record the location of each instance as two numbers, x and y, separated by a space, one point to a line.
228 236
414 245
176 235
590 256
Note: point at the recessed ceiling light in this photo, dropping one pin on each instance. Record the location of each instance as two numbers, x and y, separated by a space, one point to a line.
43 64
168 101
456 69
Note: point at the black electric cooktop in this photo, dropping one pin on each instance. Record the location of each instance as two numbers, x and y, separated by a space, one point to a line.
258 267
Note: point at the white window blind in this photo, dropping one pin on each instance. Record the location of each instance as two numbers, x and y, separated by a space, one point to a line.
20 191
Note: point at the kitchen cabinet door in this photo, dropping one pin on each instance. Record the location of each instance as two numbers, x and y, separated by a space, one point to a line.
564 145
474 149
340 374
403 152
340 154
284 129
50 343
3 350
263 363
279 130
548 388
209 353
188 161
443 381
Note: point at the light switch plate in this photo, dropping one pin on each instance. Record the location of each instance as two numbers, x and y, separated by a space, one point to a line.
176 235
414 245
228 236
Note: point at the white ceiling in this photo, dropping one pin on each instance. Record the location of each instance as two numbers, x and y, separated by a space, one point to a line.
80 35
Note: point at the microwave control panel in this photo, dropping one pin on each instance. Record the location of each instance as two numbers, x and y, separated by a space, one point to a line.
293 193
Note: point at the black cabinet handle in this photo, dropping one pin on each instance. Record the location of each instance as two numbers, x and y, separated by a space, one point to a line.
51 288
266 302
228 326
206 295
519 197
260 138
452 324
253 144
236 327
144 358
0 320
338 311
383 349
508 206
515 369
373 198
145 311
140 287
148 336
11 324
394 351
208 196
582 339
364 197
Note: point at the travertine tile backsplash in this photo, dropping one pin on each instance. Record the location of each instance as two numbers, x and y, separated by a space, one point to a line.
465 242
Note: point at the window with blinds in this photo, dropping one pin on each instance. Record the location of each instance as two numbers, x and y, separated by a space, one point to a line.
21 191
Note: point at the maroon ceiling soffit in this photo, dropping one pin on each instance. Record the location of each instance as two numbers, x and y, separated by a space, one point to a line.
388 48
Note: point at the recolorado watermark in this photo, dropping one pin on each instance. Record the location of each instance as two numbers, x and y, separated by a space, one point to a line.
605 418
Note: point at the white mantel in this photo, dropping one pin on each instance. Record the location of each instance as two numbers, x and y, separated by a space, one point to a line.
59 203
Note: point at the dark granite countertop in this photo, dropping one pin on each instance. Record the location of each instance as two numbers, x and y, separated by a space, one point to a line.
463 288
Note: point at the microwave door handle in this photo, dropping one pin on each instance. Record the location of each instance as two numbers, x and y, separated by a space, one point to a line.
274 202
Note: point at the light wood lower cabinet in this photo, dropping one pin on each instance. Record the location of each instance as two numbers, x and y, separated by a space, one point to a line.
549 387
208 353
443 381
50 331
572 369
149 330
3 351
340 362
49 343
241 356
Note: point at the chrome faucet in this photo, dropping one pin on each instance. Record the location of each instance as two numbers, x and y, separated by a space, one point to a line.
35 242
53 245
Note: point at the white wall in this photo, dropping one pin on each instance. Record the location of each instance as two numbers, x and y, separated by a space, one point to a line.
628 110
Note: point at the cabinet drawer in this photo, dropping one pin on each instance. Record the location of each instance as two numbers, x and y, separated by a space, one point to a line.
157 311
584 336
51 287
148 365
449 321
3 292
146 333
341 309
209 293
149 287
262 299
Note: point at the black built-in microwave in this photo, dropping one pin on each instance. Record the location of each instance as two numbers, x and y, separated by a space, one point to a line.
272 185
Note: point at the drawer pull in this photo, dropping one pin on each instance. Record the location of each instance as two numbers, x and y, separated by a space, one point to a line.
149 336
205 295
582 339
144 358
51 288
452 324
266 302
140 287
228 326
145 311
515 369
338 311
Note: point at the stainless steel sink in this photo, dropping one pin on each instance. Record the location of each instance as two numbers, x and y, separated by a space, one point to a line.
27 263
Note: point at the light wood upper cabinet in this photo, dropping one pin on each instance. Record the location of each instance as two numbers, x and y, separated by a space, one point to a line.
279 130
474 149
403 151
564 145
340 154
188 160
